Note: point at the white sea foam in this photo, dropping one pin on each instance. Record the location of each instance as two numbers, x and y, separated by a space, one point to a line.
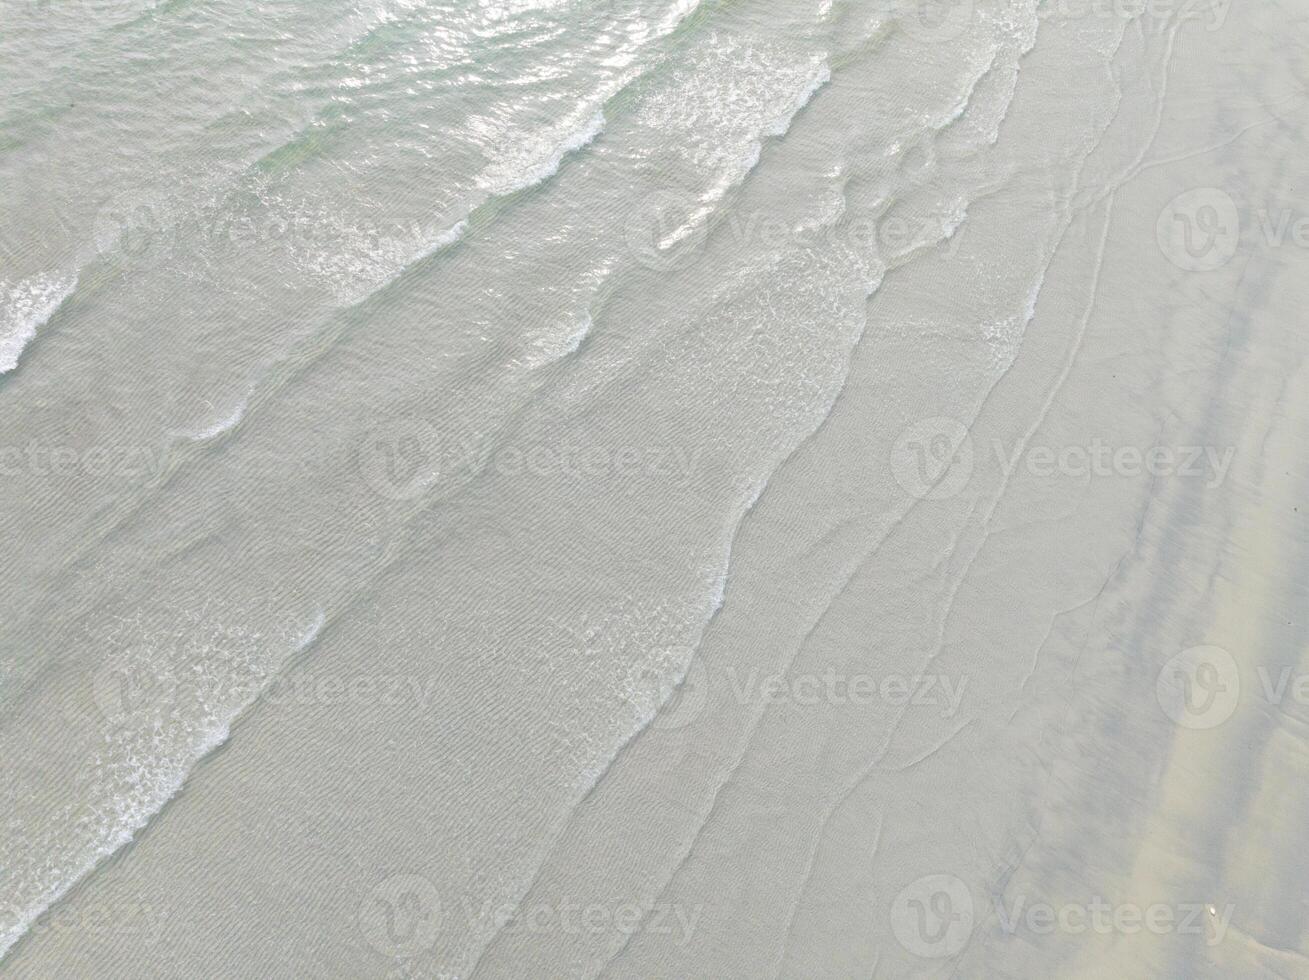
224 423
732 171
1004 337
538 160
194 685
821 76
146 786
548 347
25 306
354 264
680 10
310 635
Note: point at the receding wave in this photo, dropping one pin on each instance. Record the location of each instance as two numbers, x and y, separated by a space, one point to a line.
166 696
356 264
359 265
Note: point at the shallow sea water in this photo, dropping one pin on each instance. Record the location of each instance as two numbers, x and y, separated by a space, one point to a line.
650 488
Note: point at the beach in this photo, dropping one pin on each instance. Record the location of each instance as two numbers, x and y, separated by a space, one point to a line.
653 489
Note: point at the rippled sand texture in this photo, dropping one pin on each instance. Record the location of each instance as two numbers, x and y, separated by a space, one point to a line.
642 488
